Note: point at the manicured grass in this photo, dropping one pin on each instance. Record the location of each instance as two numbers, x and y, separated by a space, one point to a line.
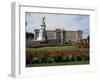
55 48
58 64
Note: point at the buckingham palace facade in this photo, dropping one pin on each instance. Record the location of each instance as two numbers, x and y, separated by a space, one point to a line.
61 35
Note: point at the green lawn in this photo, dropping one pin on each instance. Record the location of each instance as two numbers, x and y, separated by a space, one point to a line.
58 64
55 48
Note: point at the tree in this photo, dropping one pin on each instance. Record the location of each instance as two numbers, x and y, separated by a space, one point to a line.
29 35
88 38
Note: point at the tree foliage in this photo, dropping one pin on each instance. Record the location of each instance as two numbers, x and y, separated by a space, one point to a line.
29 35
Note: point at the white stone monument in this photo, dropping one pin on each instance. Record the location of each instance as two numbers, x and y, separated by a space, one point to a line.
42 32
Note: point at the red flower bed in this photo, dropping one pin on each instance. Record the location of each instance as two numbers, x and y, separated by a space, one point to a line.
75 52
43 53
28 53
56 56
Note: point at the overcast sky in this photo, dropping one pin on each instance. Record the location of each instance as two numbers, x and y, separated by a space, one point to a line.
64 21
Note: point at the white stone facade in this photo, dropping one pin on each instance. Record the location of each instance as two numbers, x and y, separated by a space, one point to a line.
61 35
